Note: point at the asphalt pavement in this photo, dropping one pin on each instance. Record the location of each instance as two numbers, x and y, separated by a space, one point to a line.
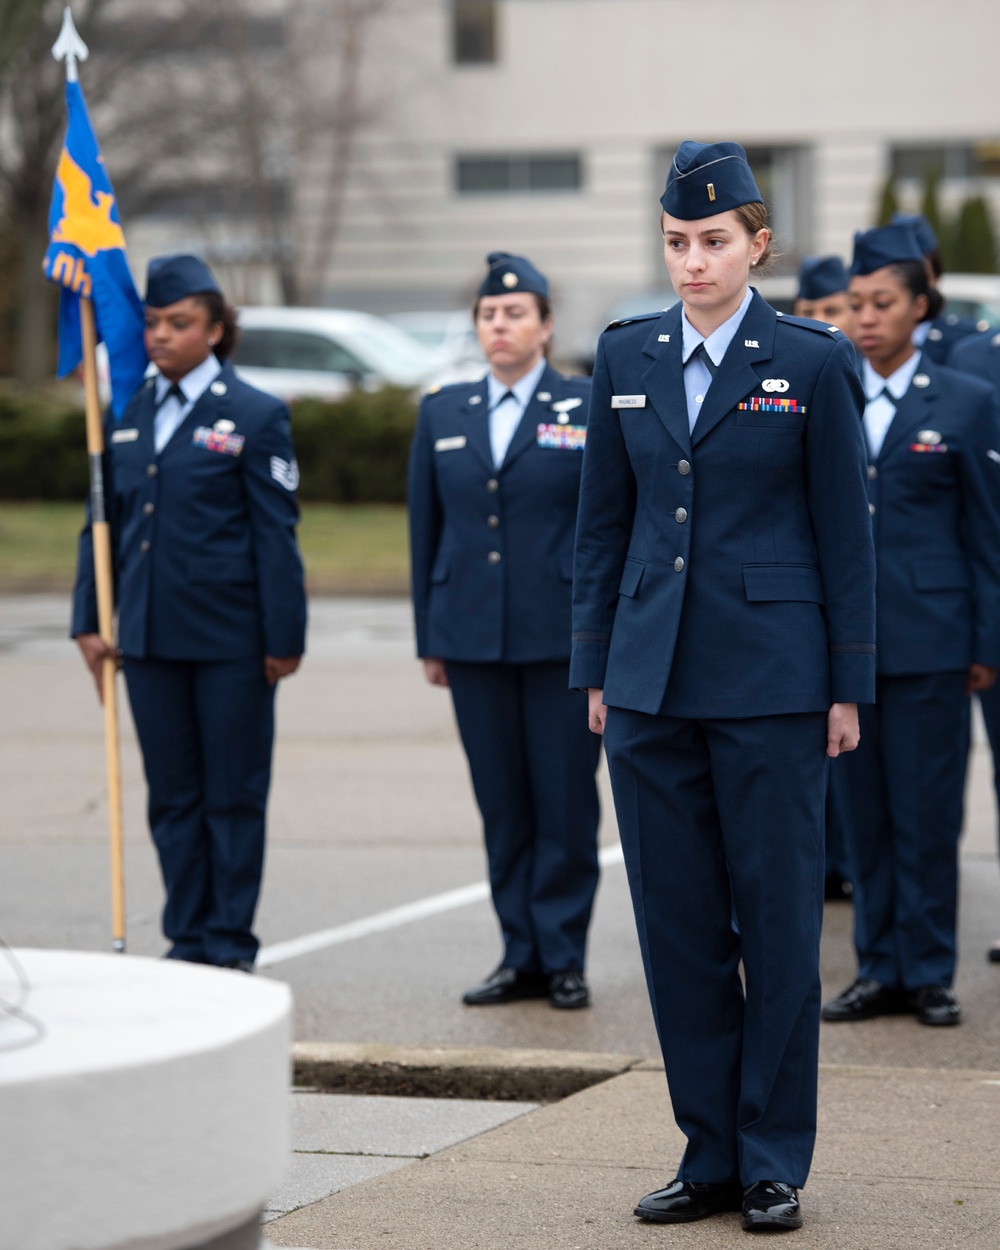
373 910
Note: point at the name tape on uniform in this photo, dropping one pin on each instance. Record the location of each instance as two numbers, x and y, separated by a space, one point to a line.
628 401
124 436
450 444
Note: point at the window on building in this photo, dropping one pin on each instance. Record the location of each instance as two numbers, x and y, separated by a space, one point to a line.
946 160
474 32
515 173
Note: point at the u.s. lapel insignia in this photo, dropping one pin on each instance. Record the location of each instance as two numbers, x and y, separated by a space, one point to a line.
544 396
475 399
935 335
921 380
751 343
930 438
774 386
218 388
663 338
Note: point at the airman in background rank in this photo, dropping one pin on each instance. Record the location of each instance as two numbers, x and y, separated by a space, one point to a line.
494 480
934 498
938 335
724 623
823 293
980 355
200 479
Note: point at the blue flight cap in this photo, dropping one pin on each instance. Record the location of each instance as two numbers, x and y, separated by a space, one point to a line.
509 275
174 277
884 245
820 276
708 178
922 229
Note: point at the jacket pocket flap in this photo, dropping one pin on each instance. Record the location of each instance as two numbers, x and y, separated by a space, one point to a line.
221 569
941 574
766 582
631 577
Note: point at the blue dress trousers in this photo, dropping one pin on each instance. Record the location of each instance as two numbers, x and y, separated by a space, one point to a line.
723 599
208 580
934 494
980 355
492 553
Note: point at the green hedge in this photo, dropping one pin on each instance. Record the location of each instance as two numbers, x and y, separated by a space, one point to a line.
350 451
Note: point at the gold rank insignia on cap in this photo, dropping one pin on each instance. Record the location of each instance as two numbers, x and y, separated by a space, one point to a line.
711 191
509 280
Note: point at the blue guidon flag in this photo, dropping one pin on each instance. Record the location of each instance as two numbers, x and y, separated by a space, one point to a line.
86 258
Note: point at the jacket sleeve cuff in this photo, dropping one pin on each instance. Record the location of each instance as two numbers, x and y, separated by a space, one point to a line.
588 664
852 674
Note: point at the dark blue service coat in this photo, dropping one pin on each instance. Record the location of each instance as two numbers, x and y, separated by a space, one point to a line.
203 534
946 332
727 572
492 549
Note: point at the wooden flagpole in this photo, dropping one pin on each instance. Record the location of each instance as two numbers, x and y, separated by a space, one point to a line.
105 619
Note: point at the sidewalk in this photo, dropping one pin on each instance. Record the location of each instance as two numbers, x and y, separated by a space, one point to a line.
907 1159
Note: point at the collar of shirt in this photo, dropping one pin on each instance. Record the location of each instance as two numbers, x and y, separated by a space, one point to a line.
194 384
897 384
523 388
920 333
719 339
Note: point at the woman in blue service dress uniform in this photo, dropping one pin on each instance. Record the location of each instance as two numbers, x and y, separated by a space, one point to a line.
200 480
724 624
494 481
979 354
934 490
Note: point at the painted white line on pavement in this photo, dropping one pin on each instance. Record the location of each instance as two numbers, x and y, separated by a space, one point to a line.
433 905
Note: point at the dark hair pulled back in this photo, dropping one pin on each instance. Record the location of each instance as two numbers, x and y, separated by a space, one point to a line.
913 275
221 313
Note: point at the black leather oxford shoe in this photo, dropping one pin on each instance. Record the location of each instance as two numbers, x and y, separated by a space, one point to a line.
507 985
935 1004
683 1202
771 1207
864 1000
239 965
569 989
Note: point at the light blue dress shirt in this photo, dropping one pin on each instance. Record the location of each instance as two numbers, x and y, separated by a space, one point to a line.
697 378
880 410
506 414
170 412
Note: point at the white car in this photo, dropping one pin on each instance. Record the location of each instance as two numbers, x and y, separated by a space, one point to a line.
326 352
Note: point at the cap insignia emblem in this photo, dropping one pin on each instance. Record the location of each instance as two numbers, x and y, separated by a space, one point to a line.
509 280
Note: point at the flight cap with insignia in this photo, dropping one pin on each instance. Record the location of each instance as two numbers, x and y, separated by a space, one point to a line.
509 275
922 229
820 276
708 178
884 245
174 277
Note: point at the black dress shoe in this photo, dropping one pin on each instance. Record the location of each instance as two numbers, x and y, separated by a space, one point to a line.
864 1000
683 1202
935 1004
837 889
771 1207
239 965
569 989
507 985
993 954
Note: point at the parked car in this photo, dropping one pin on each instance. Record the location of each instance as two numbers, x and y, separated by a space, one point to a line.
451 335
975 295
325 352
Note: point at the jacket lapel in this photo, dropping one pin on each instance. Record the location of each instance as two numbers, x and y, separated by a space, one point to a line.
536 412
475 413
914 410
736 376
144 415
663 379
